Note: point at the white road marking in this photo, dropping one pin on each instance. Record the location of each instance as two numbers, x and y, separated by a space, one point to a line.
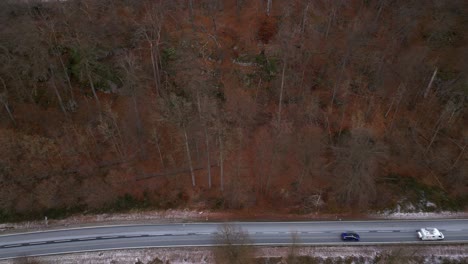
133 236
37 243
14 245
64 240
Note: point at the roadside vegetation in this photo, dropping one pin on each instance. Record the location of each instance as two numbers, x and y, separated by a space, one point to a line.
27 260
287 106
424 254
235 246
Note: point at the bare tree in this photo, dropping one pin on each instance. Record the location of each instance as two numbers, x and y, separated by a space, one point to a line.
86 62
191 14
428 88
221 161
4 100
151 33
221 136
205 117
339 79
234 246
177 110
451 109
280 100
130 71
356 163
304 18
109 128
156 139
57 93
91 83
269 6
310 150
335 5
48 29
293 256
398 97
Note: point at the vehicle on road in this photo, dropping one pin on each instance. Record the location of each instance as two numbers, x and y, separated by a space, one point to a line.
430 234
350 236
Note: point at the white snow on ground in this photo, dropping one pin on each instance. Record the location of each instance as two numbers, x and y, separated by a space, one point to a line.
432 254
174 256
168 216
419 215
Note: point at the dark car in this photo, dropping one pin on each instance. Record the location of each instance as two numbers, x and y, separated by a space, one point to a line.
350 236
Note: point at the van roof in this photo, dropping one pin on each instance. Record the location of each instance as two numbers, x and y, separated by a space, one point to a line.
430 231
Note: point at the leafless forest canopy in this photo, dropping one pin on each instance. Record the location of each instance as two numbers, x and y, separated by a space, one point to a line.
293 106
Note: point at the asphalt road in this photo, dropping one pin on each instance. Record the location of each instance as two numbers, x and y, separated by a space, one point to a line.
203 234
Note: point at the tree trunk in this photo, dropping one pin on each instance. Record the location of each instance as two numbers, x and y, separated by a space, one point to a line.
304 18
338 81
54 85
304 172
208 156
330 20
159 149
7 108
68 79
191 12
189 158
139 126
65 71
221 162
328 126
397 108
118 140
438 127
390 107
205 130
428 88
400 93
343 112
92 86
269 4
379 11
155 70
238 8
4 100
281 94
459 156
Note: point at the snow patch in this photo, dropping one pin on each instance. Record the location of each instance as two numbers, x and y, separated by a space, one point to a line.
419 215
368 254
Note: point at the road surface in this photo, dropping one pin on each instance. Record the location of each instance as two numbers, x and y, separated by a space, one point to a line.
202 234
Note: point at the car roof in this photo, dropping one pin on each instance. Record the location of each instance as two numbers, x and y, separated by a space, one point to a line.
350 234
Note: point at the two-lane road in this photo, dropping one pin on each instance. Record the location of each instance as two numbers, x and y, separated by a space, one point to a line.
202 234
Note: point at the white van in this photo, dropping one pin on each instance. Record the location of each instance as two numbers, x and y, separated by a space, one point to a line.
430 234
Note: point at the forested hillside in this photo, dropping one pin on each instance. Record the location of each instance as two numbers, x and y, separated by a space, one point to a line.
293 106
